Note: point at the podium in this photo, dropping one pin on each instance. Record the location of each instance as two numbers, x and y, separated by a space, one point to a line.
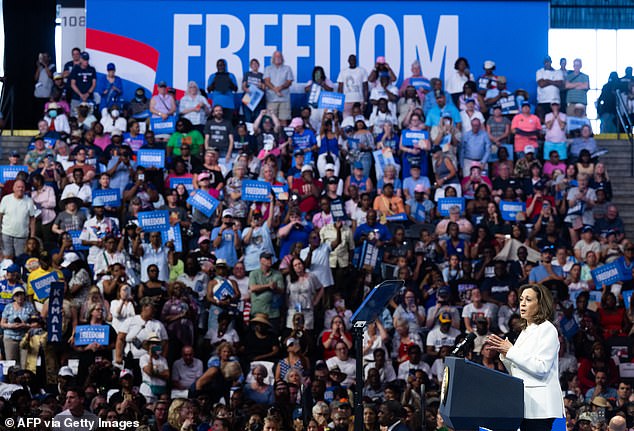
474 396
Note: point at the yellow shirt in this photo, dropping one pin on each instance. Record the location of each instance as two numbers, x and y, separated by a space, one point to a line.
34 276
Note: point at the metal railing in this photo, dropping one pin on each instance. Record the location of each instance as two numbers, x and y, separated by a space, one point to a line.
626 126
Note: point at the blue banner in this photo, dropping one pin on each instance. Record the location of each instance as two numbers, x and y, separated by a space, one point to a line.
420 83
42 286
163 127
151 158
370 256
173 234
255 191
445 203
88 334
338 210
397 217
610 273
109 197
154 221
203 202
281 192
54 319
77 245
188 182
193 35
9 172
509 209
331 100
411 138
225 290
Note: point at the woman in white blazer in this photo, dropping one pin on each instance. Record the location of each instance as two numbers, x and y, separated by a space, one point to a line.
534 359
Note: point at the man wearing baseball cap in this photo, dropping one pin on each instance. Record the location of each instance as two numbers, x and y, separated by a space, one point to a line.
83 80
226 238
546 271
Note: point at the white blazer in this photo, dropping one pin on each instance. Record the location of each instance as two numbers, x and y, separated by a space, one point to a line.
534 359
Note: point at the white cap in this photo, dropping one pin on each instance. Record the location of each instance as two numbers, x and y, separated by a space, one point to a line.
68 259
66 371
330 167
227 213
307 168
489 64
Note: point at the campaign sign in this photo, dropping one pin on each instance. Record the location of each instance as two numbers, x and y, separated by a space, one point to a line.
109 197
370 256
88 334
173 234
510 210
595 297
253 97
154 221
9 172
410 138
42 286
610 273
203 202
420 83
383 158
163 127
337 210
54 320
77 245
445 203
281 192
188 182
331 100
255 191
150 158
223 291
397 217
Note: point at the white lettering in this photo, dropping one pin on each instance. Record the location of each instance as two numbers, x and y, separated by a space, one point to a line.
214 48
257 37
391 42
324 51
290 42
182 49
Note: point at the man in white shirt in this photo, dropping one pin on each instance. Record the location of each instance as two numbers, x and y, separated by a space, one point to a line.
96 229
344 362
17 217
75 417
353 83
186 370
549 81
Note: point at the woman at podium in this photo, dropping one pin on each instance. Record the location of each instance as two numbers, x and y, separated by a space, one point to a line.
534 359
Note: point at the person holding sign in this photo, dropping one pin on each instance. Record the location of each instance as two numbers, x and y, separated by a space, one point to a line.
226 239
222 294
97 352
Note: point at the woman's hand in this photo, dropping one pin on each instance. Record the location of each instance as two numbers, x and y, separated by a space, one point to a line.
498 344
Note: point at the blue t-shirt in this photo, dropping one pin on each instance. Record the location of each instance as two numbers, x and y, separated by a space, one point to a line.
295 235
410 184
435 114
223 98
539 273
304 140
227 249
382 232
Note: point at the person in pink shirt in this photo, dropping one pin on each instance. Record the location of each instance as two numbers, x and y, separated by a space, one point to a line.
526 127
553 163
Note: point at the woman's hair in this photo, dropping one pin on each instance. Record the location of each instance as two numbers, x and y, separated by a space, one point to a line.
471 85
293 275
262 368
544 303
466 62
174 412
450 224
225 344
605 297
321 69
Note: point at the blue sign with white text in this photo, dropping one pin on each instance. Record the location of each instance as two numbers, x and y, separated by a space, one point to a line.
188 182
54 319
9 172
173 234
42 286
109 197
610 273
255 191
203 202
154 221
77 245
88 334
151 158
331 100
509 210
444 204
193 35
413 138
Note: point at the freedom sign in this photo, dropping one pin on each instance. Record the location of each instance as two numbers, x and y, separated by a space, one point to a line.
445 203
610 273
109 197
88 334
77 245
203 202
188 182
410 138
9 172
255 191
42 286
331 100
150 158
509 210
163 127
154 221
281 192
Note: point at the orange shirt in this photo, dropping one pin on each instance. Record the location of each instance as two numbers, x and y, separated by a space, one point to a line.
524 123
388 206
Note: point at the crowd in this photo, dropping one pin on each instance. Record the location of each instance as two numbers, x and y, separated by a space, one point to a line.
241 319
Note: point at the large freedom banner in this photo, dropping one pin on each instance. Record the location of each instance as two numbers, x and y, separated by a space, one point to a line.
178 41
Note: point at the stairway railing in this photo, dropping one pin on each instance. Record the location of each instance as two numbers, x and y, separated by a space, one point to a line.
626 125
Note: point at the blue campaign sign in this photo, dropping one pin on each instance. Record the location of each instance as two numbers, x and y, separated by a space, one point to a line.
54 319
420 83
203 202
411 138
223 291
445 203
193 35
88 334
154 221
281 192
253 97
42 286
163 127
173 234
188 182
9 172
610 273
509 209
255 191
77 245
331 100
109 197
397 217
150 158
338 211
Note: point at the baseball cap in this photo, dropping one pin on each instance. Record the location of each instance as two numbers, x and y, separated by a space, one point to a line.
357 165
489 64
68 259
162 84
221 262
444 317
307 168
13 268
58 76
17 290
227 213
547 249
85 56
529 149
14 154
265 255
203 176
111 66
126 373
296 122
547 58
116 132
585 416
443 292
298 152
291 341
330 167
66 371
587 229
526 103
203 239
419 188
332 180
435 149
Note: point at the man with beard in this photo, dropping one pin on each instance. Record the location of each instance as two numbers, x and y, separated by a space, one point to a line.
219 133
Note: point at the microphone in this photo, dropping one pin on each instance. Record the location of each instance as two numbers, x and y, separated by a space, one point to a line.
462 346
